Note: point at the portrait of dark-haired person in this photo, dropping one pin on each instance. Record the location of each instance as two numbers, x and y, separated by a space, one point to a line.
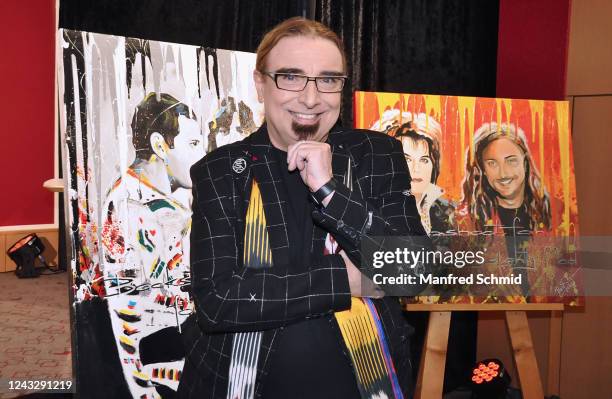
420 140
145 236
277 315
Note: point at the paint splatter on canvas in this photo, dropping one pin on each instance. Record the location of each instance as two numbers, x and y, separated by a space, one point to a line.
135 116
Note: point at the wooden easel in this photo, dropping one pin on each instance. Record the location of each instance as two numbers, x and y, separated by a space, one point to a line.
433 359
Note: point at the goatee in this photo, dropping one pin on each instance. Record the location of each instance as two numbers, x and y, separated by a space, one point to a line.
304 132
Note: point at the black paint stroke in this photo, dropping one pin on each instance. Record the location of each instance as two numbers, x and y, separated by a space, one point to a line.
84 127
133 47
215 65
74 48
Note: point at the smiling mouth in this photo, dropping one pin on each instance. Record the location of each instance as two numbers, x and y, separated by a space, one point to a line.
506 181
417 180
305 119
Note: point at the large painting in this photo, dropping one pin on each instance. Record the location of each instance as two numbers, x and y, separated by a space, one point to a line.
135 116
492 174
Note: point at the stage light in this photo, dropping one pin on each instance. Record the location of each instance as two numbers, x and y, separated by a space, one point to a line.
490 380
24 253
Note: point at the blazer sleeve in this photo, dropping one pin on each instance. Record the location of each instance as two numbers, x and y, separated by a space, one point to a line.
389 208
231 298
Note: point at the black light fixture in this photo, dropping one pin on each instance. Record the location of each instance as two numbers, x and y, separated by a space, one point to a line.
490 380
24 253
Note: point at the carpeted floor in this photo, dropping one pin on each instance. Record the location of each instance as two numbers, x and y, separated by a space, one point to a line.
34 330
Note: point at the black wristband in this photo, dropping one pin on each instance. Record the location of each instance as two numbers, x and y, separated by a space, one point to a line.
325 190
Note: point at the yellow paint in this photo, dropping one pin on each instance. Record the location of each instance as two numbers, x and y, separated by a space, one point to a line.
508 106
404 102
140 375
564 156
388 100
466 104
126 340
498 112
432 105
537 110
361 109
152 268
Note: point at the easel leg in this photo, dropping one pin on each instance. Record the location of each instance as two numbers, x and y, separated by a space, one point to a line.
431 371
554 352
524 355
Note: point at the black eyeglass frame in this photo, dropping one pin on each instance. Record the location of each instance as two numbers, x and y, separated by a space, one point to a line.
274 76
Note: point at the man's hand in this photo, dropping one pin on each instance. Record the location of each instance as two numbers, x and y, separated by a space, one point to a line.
313 160
361 286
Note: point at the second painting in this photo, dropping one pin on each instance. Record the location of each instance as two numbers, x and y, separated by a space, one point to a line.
487 171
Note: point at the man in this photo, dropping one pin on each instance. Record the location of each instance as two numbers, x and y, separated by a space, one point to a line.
276 313
144 237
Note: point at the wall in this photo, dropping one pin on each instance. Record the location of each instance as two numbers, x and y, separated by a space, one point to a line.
27 80
587 350
27 112
532 48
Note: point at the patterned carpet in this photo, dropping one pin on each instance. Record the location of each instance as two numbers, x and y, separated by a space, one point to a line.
34 330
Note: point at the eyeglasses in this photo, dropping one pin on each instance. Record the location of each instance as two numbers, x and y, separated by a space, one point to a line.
295 82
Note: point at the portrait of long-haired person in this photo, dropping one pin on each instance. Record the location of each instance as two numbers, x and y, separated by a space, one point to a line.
503 186
504 195
145 239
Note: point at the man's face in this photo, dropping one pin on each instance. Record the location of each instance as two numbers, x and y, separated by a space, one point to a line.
290 114
188 149
504 168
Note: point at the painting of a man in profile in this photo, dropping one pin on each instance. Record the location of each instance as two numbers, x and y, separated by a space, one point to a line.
145 228
136 115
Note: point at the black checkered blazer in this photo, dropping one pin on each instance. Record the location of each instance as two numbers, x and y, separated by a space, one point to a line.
230 298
